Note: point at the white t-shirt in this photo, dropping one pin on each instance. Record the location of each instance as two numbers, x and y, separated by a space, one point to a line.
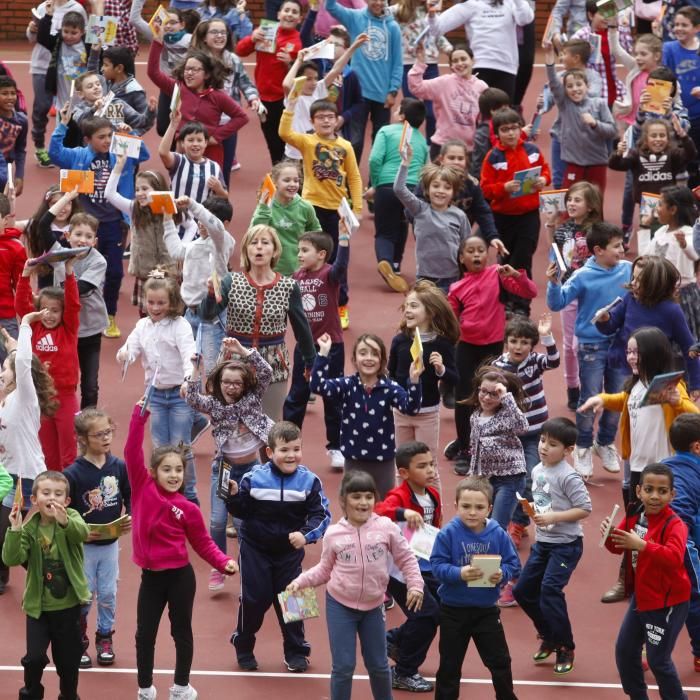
648 435
301 122
428 507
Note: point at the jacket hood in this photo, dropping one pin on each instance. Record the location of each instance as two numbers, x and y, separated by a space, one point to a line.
687 459
11 233
457 524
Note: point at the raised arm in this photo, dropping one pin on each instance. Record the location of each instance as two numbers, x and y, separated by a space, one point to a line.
113 197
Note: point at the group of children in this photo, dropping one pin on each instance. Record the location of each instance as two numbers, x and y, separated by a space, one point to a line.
464 333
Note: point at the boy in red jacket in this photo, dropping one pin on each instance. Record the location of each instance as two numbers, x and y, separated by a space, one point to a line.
413 504
653 539
513 196
12 259
55 342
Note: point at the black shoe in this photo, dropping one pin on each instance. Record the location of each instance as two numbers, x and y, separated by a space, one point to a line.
462 464
247 662
447 393
389 602
565 661
414 684
452 449
297 664
85 660
105 649
572 396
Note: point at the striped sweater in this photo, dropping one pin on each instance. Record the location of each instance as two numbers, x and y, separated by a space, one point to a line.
530 371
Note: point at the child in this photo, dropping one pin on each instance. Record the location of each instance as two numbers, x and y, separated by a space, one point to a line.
428 313
561 501
233 392
271 67
439 227
515 208
165 343
390 221
652 538
13 136
289 214
414 503
467 612
476 301
490 101
55 341
455 96
273 535
356 580
320 283
99 490
95 156
50 543
520 359
163 523
676 212
119 73
584 207
587 123
12 259
602 278
367 437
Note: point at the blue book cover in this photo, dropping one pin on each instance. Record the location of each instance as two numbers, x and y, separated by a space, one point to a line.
526 178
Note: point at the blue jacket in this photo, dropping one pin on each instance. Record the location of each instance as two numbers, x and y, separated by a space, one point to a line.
453 549
686 481
594 287
379 62
272 505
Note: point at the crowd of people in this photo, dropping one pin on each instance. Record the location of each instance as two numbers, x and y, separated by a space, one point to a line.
212 334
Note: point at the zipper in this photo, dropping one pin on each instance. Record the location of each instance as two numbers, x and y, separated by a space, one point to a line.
362 561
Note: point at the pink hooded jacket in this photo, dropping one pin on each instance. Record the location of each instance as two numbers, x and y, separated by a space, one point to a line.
355 562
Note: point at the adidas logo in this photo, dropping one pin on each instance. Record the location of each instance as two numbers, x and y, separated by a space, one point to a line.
46 344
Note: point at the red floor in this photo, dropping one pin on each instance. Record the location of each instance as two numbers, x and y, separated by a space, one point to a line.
373 308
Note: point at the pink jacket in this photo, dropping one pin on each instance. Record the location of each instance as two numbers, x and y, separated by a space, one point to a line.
455 101
325 21
355 562
162 522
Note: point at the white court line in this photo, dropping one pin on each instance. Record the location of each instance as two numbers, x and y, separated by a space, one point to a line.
326 676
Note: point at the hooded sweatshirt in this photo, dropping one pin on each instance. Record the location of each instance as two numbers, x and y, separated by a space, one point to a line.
355 562
378 62
686 482
12 259
454 547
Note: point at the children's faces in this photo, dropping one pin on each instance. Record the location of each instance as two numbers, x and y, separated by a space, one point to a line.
98 440
645 58
66 210
440 193
455 157
509 134
551 450
108 70
286 455
655 493
473 509
368 358
170 473
664 213
461 63
194 74
172 24
657 138
142 189
71 35
577 207
683 28
421 470
324 122
232 385
91 88
633 355
8 99
570 60
612 253
358 507
7 378
310 257
101 139
157 304
338 46
261 250
80 236
576 88
289 15
518 348
50 492
287 183
194 146
216 37
490 396
414 312
473 254
376 7
54 312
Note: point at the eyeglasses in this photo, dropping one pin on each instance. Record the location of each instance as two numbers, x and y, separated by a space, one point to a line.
325 117
217 32
235 382
512 127
193 70
490 394
102 434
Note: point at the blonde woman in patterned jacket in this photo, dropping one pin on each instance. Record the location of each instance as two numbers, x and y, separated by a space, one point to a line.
258 303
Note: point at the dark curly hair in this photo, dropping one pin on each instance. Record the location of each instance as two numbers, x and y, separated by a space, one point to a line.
214 70
248 374
495 374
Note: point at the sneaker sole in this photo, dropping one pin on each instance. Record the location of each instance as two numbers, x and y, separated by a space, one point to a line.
216 589
563 672
509 604
394 281
100 662
611 471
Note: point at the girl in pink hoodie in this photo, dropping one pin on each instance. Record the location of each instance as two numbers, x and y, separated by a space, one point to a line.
355 566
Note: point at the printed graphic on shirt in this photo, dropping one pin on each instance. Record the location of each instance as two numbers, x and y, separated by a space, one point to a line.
463 106
542 497
314 304
327 162
469 549
46 344
372 551
9 131
100 165
376 49
106 495
655 168
640 529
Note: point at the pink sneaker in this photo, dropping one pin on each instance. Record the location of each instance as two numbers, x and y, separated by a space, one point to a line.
216 580
507 600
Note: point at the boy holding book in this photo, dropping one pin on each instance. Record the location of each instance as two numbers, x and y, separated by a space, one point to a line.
561 501
14 127
471 540
413 504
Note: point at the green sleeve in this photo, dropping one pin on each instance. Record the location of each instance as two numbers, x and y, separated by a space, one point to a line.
5 482
15 551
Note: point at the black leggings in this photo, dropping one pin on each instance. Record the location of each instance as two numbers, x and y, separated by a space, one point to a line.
497 79
270 128
526 59
176 588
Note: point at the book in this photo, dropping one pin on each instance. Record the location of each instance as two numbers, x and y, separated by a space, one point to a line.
489 565
298 606
421 37
553 201
108 531
611 8
559 259
421 541
176 99
606 309
267 43
647 204
216 283
267 191
297 87
106 102
535 124
160 17
162 203
125 144
148 394
56 256
526 505
611 525
347 217
526 178
19 497
224 481
548 29
102 29
658 386
324 49
406 135
84 180
595 41
71 97
417 349
660 90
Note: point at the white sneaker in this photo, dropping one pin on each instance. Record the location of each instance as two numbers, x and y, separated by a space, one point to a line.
608 456
337 459
147 693
583 461
183 692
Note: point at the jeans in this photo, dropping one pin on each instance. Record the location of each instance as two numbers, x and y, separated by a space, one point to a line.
504 499
596 376
540 589
102 572
109 243
344 626
657 630
529 441
89 359
390 226
569 344
171 424
442 283
558 165
431 71
365 110
10 325
219 514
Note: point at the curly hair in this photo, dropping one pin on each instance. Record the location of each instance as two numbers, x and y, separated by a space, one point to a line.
491 373
248 375
214 70
43 385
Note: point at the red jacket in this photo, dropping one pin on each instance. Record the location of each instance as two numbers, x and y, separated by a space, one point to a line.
660 579
269 70
12 259
500 166
397 500
56 347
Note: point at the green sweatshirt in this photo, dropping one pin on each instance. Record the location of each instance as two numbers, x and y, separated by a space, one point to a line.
5 482
23 546
290 221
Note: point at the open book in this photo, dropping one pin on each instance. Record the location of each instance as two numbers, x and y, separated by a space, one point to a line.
109 531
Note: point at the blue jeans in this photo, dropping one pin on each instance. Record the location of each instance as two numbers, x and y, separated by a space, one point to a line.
540 589
209 335
504 500
344 626
442 283
596 376
171 424
431 71
529 441
557 164
101 566
219 514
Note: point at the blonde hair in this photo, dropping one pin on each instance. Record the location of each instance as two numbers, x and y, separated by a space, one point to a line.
250 235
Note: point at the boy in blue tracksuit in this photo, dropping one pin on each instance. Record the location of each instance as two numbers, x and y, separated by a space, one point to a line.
467 611
283 508
595 285
378 64
684 436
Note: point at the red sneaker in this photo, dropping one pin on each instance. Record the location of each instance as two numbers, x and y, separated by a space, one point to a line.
516 532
